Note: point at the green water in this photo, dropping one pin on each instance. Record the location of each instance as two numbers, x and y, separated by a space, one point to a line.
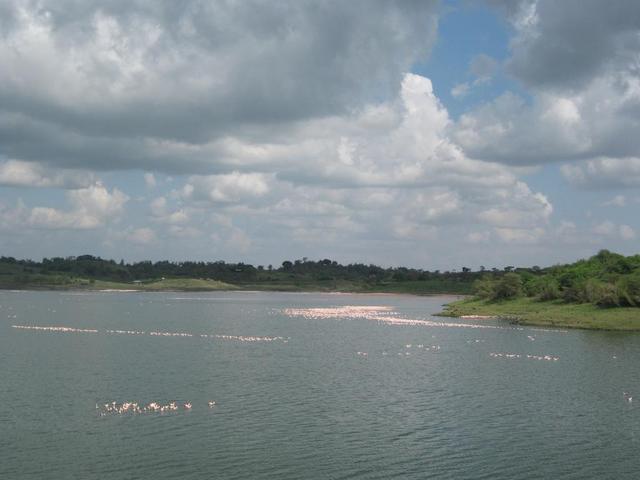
303 403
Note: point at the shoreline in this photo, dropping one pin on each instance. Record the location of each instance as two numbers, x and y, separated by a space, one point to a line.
75 289
530 312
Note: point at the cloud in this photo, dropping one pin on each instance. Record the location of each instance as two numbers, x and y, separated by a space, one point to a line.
91 208
390 170
160 87
604 173
227 188
162 214
483 67
460 90
583 102
556 45
16 173
610 229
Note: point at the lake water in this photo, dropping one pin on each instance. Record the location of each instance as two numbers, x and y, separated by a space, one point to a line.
306 389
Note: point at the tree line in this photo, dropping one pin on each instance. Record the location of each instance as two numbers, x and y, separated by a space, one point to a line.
94 267
607 279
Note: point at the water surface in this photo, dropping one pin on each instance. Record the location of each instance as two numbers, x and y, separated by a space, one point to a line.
305 388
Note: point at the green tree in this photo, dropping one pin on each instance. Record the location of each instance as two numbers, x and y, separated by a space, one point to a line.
509 286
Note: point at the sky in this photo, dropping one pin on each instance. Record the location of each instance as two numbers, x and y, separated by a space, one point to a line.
430 134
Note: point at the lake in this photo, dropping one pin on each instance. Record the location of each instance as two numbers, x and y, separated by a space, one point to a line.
306 386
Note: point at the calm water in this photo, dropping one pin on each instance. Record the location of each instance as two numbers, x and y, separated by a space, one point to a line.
306 405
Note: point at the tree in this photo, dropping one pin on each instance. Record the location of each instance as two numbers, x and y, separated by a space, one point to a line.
509 286
484 287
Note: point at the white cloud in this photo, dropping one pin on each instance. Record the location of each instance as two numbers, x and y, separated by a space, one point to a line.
460 90
610 229
28 174
397 176
91 207
604 173
227 188
154 88
162 214
584 104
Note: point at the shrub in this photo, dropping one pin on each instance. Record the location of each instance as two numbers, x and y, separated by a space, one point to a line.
484 287
603 294
509 286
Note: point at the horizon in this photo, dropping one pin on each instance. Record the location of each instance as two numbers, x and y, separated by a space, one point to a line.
432 135
276 266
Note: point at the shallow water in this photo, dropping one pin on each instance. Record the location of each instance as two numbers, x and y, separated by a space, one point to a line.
306 388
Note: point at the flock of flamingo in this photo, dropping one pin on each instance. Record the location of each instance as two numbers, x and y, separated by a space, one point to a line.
237 338
386 315
381 314
548 358
115 408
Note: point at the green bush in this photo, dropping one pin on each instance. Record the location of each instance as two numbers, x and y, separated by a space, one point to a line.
509 286
484 287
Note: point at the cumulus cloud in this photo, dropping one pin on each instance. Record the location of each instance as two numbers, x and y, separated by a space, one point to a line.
227 188
610 229
585 92
151 84
389 170
160 212
604 173
16 173
297 124
91 207
556 45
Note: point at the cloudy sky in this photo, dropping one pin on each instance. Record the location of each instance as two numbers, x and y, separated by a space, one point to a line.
428 134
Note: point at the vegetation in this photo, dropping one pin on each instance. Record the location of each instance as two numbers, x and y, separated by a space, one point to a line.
530 311
600 292
584 294
606 280
89 272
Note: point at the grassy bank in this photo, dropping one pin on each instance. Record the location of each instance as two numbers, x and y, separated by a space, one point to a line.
528 311
48 282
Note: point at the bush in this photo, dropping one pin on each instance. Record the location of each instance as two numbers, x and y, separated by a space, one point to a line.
544 288
549 289
484 287
509 286
603 294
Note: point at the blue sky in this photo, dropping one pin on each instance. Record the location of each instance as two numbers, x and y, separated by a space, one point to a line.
428 134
